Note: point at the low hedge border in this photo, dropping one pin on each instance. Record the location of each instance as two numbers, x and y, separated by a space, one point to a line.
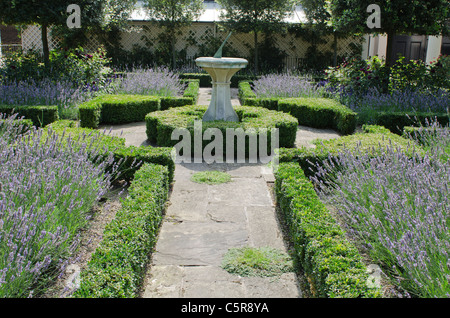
117 267
160 125
40 115
372 137
129 155
311 112
123 109
206 81
320 113
331 263
396 121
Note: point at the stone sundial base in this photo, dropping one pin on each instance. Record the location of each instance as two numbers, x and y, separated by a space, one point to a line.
221 71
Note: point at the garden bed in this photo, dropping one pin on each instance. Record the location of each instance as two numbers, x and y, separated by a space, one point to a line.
253 121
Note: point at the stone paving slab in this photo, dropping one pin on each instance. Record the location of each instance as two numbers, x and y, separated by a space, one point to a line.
202 222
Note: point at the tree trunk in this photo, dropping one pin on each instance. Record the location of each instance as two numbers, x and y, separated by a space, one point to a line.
389 47
256 52
45 48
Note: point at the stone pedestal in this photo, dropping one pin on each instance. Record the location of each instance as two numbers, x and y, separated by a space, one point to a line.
221 71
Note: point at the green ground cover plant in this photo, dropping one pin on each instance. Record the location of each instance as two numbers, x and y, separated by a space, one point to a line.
262 262
211 177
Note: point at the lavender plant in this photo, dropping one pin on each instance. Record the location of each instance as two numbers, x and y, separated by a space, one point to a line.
47 92
48 185
287 86
158 82
397 208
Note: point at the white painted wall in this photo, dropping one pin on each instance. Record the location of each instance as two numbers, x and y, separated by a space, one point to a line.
433 48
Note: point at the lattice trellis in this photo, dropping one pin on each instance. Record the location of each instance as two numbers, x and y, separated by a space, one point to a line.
145 34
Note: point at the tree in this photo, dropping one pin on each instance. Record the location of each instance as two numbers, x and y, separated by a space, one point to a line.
425 17
255 16
172 15
54 13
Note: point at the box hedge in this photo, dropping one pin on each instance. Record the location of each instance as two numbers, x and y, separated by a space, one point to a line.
123 109
160 125
370 141
320 113
40 115
206 81
117 267
130 155
396 121
332 265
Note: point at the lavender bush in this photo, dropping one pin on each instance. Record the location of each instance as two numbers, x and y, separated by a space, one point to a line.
287 86
373 101
48 185
397 207
157 82
47 92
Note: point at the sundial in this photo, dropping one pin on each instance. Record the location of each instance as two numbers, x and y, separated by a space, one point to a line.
221 69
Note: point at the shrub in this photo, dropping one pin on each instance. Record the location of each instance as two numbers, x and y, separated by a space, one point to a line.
117 109
160 125
320 113
399 215
331 263
64 65
43 209
192 90
130 158
365 142
206 81
155 82
39 115
117 267
286 86
395 121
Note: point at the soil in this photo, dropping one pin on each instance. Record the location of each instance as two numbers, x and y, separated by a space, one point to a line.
90 237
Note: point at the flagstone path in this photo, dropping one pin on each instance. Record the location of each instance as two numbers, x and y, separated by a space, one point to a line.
203 221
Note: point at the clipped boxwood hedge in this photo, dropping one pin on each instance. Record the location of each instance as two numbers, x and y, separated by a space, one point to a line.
40 115
117 109
117 267
129 155
331 263
396 121
123 109
161 124
373 137
311 112
320 113
206 81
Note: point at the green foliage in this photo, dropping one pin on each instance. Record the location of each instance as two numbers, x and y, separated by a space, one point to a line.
39 115
211 177
117 109
320 113
161 124
255 16
130 158
249 98
262 262
331 263
71 65
395 121
358 75
117 267
375 138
